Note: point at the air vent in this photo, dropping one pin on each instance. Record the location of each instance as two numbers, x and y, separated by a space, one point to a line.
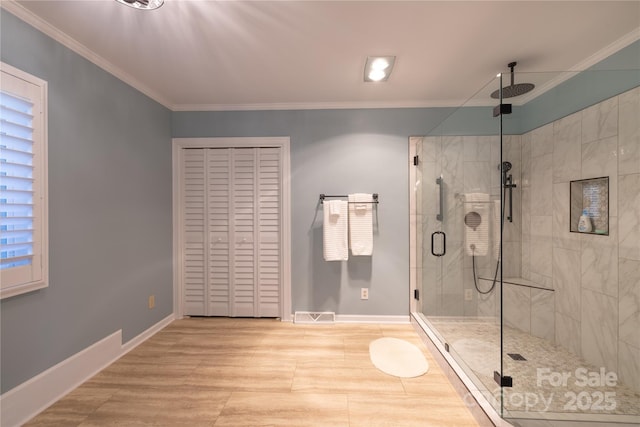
313 317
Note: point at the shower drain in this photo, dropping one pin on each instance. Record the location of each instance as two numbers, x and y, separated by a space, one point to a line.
516 356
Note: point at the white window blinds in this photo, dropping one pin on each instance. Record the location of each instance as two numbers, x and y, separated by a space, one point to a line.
16 173
22 183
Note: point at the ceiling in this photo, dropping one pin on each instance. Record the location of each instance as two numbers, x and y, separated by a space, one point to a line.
230 55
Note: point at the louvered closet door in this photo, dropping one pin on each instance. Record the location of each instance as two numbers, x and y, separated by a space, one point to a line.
232 208
194 232
243 214
219 230
269 220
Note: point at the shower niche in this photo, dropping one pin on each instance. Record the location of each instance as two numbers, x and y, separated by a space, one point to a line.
589 206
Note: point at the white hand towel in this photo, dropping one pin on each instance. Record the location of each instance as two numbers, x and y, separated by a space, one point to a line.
334 230
476 229
361 224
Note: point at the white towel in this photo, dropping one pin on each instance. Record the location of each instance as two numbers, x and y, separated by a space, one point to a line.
476 236
334 230
361 224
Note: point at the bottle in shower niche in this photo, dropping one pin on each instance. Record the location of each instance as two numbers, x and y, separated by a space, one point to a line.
584 224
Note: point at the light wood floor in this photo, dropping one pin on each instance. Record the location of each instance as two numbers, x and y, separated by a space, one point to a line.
245 372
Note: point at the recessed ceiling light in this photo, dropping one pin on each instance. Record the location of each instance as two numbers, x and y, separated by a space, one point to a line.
376 75
142 4
379 64
378 68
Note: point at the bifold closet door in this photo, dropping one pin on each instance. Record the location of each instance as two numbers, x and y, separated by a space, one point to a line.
232 257
268 220
194 263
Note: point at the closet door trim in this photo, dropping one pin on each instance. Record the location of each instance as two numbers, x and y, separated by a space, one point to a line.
178 146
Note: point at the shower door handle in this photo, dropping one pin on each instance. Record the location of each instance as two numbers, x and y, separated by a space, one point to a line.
444 243
440 214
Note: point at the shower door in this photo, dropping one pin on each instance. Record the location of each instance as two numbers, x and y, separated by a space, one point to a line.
441 191
458 199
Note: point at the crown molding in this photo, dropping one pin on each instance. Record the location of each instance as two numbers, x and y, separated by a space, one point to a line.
317 106
45 27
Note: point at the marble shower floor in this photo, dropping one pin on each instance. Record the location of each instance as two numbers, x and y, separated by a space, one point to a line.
550 380
211 372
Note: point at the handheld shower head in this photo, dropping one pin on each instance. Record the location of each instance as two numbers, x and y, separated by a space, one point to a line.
505 167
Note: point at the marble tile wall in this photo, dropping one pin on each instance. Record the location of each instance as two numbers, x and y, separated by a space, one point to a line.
469 164
538 224
596 279
529 310
517 307
542 314
594 308
512 233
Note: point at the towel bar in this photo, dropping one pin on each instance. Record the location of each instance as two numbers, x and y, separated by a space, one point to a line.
323 196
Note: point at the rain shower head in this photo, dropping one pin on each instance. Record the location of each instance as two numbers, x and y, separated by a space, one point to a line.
513 89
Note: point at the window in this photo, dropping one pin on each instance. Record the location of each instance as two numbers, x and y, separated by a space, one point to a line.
23 183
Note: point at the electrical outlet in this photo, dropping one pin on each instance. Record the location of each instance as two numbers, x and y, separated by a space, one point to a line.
152 301
364 293
468 294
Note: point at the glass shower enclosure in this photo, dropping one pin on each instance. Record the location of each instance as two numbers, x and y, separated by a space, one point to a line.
540 317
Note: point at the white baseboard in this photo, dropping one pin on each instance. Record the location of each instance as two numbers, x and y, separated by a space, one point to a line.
25 401
358 318
140 338
28 399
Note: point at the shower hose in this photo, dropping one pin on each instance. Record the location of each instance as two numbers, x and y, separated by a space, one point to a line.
473 257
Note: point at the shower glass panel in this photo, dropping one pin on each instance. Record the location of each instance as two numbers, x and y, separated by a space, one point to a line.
571 311
458 200
540 318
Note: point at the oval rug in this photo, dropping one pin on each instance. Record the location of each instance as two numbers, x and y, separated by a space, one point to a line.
398 357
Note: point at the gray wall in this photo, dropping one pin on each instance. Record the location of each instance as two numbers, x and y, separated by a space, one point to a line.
109 206
338 152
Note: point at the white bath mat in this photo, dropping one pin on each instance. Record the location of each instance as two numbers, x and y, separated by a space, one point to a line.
398 357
